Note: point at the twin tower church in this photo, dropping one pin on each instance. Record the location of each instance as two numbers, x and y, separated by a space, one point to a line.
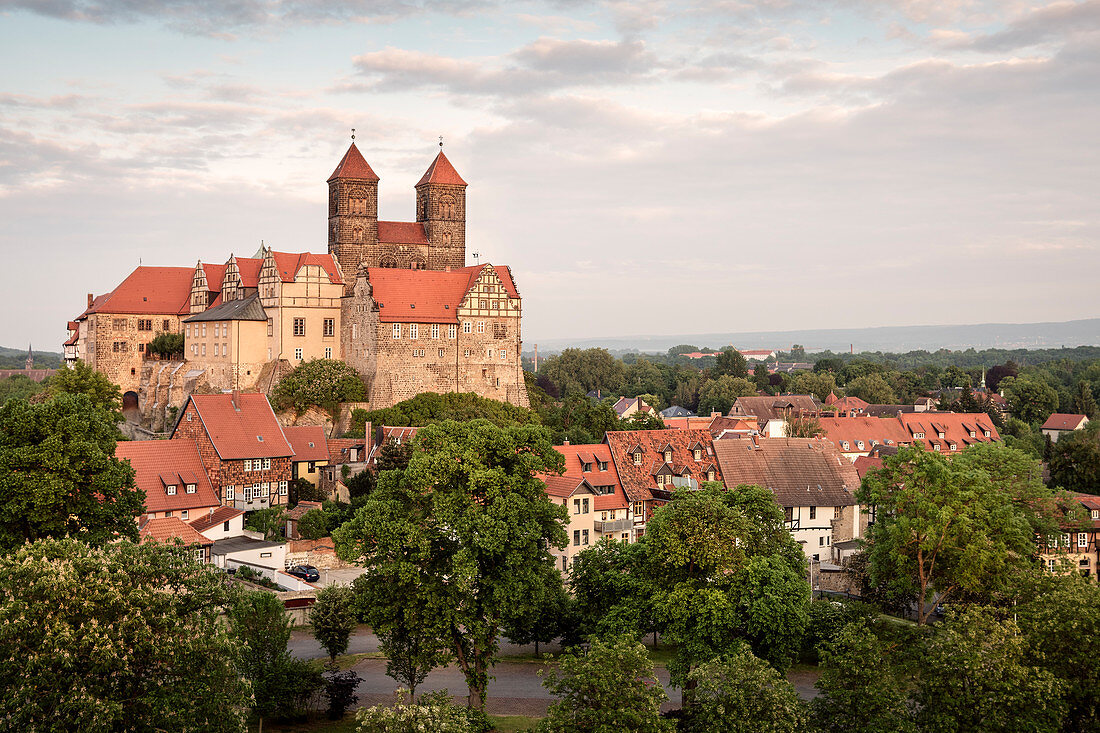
394 299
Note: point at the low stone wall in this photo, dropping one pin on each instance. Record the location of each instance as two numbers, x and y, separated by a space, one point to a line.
838 581
318 553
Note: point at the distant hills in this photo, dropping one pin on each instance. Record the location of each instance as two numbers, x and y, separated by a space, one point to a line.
14 358
898 339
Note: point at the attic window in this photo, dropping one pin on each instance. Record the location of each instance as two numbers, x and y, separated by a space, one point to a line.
311 445
190 488
260 438
987 433
954 446
171 489
412 305
668 456
446 307
638 458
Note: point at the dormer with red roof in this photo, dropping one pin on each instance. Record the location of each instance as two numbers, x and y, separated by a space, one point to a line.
441 208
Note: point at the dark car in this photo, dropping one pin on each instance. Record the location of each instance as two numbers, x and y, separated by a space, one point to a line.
307 573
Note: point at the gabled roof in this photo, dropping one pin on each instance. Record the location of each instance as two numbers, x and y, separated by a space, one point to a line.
169 529
402 232
770 408
638 480
340 448
149 291
252 431
561 487
870 430
441 171
244 309
956 427
308 441
290 263
249 270
596 453
799 471
177 462
216 517
1062 421
427 296
353 165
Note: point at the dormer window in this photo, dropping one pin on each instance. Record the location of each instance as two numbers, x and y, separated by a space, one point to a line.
190 488
935 446
171 489
668 456
603 465
710 475
987 433
638 458
973 434
586 467
940 434
1096 514
698 454
844 445
859 444
918 435
954 446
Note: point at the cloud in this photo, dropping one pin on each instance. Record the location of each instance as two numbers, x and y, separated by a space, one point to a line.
1055 23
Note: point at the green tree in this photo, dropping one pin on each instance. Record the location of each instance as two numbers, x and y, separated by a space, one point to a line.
579 419
59 476
167 345
18 387
576 372
270 521
333 619
943 529
611 589
1084 402
432 712
741 693
872 388
429 408
729 362
820 385
760 377
123 637
81 379
975 677
610 688
321 382
313 525
1029 399
465 530
361 484
281 685
1075 460
543 620
718 395
863 687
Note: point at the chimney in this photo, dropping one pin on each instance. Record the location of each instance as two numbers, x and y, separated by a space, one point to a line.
91 299
565 441
236 400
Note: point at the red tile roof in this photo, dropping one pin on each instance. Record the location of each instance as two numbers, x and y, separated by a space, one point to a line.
218 516
160 463
402 232
956 427
427 296
593 453
339 449
561 487
441 171
169 529
799 471
775 407
149 290
249 270
353 165
251 432
638 480
1062 421
308 441
289 263
871 430
864 464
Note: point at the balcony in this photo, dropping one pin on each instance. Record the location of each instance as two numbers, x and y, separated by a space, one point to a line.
614 525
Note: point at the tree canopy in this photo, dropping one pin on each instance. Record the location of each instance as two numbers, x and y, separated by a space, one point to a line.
321 382
429 408
81 379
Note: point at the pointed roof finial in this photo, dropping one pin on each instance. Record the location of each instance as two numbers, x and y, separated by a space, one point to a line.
440 142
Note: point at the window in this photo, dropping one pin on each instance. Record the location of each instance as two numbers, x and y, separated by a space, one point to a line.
282 488
171 490
935 446
328 327
328 352
204 349
837 511
248 492
987 433
467 327
710 475
603 465
576 506
859 444
821 541
441 353
481 326
216 350
466 353
270 326
200 554
299 327
145 324
1082 539
788 514
953 447
217 330
668 456
165 327
576 538
584 536
141 347
183 515
187 330
228 496
817 558
813 512
435 330
584 505
503 354
973 434
639 509
1065 540
697 454
190 488
452 331
204 330
638 458
247 464
262 490
397 330
940 434
298 354
312 467
1095 514
1050 564
267 464
225 526
482 304
414 331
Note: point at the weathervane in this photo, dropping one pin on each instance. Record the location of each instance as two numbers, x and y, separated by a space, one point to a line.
353 134
441 142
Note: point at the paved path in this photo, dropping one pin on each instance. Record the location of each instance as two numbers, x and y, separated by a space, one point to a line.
515 690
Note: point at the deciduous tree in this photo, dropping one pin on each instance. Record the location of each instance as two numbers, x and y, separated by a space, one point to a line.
81 379
1030 400
333 619
321 382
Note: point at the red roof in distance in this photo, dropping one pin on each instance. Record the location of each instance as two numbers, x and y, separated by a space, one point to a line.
441 171
149 290
308 442
159 463
169 529
1062 421
353 165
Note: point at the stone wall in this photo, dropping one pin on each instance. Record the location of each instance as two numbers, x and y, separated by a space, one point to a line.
116 344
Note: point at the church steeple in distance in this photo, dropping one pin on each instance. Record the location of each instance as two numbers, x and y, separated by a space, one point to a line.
352 211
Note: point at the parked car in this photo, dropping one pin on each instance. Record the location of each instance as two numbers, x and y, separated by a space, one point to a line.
307 573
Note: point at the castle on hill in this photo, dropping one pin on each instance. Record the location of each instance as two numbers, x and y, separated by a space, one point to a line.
395 300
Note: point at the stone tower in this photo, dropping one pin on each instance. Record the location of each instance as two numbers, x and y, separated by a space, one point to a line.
352 213
441 208
29 363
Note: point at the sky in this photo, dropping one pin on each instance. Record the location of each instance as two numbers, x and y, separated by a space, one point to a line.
644 167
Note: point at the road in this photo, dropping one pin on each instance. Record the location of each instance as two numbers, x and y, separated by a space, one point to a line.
515 690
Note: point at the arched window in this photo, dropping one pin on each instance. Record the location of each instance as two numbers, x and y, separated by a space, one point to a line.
445 239
388 261
357 234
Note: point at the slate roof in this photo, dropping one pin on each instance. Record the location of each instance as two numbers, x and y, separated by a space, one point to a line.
799 471
427 296
250 432
308 442
887 410
676 411
353 165
160 463
244 309
441 171
169 529
219 515
149 291
638 481
1062 421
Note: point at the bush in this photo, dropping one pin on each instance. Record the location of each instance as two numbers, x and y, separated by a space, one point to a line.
270 521
434 711
313 525
340 691
321 382
166 344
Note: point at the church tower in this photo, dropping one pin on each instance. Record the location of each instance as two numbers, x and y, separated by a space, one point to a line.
352 213
441 208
